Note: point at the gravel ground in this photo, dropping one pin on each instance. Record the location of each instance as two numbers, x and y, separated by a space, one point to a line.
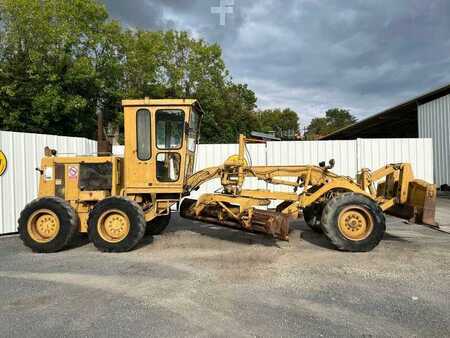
202 280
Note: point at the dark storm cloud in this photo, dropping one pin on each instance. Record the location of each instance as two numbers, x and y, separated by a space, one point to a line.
312 55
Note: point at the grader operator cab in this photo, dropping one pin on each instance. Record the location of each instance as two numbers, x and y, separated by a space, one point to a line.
117 200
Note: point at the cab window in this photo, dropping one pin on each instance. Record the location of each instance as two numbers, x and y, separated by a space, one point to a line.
168 167
143 134
194 123
169 128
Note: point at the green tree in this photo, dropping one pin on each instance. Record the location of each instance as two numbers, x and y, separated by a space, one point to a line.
172 65
61 61
334 119
58 61
238 114
284 123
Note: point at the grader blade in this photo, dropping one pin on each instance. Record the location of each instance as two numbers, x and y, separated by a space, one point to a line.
270 222
274 223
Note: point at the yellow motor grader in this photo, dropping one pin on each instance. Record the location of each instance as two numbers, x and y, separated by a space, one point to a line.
117 200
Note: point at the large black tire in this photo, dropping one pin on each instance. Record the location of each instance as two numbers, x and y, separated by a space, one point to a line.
133 212
344 203
157 225
67 218
312 216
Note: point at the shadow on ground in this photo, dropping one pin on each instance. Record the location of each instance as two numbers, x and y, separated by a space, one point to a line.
220 232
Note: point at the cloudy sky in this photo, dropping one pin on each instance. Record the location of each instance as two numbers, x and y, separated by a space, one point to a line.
311 55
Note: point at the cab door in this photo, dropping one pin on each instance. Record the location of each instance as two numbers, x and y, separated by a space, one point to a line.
192 141
170 147
138 147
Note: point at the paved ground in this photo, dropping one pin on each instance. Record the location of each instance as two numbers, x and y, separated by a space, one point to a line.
203 280
443 212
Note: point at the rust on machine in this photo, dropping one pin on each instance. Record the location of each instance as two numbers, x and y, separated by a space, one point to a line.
274 223
271 222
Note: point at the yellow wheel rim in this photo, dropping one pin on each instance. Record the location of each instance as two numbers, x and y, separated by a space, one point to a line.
355 223
113 226
43 226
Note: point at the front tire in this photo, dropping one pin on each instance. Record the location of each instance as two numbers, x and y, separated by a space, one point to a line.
312 216
48 224
116 224
353 222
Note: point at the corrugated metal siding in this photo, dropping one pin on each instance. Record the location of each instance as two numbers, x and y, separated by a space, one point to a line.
375 153
211 155
19 184
313 152
434 122
350 157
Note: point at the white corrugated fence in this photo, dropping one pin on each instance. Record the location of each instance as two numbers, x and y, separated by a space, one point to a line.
19 183
350 157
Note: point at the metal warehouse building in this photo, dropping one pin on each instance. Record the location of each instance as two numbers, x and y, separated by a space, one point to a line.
425 116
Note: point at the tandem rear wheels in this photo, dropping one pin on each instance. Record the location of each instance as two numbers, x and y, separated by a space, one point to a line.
115 224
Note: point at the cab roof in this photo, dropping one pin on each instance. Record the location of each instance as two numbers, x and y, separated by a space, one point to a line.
163 102
160 102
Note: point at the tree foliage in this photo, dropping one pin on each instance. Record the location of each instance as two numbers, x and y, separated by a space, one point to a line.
58 60
283 123
61 61
334 119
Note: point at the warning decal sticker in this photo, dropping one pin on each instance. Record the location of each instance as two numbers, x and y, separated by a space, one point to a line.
72 173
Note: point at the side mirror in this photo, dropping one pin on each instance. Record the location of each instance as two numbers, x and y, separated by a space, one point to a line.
331 163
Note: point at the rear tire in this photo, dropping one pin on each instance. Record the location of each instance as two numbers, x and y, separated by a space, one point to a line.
312 216
116 224
353 222
48 224
157 225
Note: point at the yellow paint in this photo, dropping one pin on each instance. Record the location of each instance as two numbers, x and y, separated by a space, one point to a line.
355 223
137 180
3 163
93 195
43 226
83 216
113 226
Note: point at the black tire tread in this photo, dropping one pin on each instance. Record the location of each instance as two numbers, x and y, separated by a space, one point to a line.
157 225
331 230
312 219
136 233
186 204
71 227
